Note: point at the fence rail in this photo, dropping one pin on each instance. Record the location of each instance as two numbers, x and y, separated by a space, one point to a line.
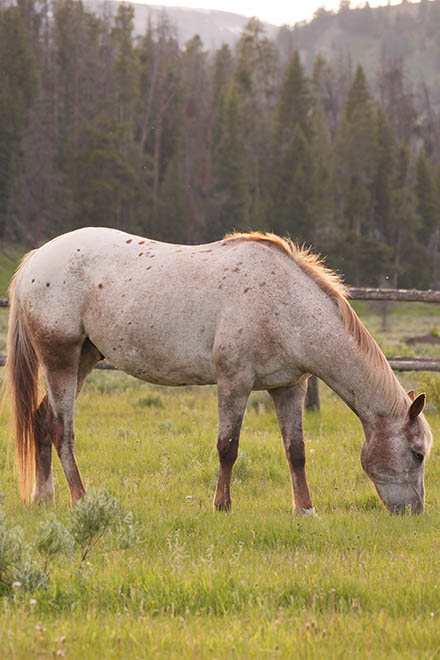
394 295
398 363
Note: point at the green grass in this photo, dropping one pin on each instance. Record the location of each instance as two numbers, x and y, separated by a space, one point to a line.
355 582
8 264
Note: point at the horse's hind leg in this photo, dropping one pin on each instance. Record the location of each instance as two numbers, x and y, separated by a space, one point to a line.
43 486
232 401
55 424
289 403
62 386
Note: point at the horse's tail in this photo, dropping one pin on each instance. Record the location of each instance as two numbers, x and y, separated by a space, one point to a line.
23 389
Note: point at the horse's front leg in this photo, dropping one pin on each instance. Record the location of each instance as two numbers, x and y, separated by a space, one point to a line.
232 401
289 402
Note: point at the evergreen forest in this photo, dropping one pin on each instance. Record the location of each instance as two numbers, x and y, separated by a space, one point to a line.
99 126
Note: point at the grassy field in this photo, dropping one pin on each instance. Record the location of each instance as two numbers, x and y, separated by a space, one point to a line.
150 571
172 579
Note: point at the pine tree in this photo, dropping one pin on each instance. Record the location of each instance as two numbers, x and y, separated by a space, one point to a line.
19 85
356 173
294 191
171 225
295 104
409 257
428 206
223 70
255 77
324 201
291 205
426 198
40 205
231 199
384 176
109 189
196 136
325 93
125 66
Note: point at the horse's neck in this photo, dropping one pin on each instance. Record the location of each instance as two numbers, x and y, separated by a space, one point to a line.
371 391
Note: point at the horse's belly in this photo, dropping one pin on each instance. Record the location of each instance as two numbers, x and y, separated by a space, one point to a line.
157 368
171 356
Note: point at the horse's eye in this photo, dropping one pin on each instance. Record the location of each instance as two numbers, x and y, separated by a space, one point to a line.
418 456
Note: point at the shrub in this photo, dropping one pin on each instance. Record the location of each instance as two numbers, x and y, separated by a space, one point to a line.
91 519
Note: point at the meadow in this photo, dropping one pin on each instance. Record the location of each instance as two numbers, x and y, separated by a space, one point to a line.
162 576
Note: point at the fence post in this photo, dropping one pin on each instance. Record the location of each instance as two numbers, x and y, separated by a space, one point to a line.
312 396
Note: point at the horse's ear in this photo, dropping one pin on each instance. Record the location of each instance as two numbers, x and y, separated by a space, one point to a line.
411 394
417 406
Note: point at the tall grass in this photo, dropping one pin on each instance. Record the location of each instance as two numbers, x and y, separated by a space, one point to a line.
178 580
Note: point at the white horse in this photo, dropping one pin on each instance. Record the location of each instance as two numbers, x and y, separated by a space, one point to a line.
249 312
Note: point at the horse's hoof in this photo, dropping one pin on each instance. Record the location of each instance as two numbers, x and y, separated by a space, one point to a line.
222 506
306 512
43 499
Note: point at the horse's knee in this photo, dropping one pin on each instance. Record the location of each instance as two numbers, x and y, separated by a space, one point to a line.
297 455
227 450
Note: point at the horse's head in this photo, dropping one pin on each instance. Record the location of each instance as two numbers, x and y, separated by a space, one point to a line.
394 454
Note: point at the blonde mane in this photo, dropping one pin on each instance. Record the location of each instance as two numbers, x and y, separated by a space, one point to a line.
331 283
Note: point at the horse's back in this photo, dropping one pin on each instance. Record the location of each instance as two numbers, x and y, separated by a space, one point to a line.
171 314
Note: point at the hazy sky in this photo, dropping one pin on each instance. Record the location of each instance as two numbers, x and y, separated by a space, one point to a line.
273 11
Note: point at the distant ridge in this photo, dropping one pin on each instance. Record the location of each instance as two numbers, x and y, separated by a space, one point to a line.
405 35
213 26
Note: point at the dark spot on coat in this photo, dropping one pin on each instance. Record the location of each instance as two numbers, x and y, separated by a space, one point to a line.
128 241
246 289
178 250
78 250
220 286
262 283
47 283
140 254
240 330
141 242
205 251
236 269
33 281
100 285
148 267
152 255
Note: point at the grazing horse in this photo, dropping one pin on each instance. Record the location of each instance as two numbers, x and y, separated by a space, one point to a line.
249 312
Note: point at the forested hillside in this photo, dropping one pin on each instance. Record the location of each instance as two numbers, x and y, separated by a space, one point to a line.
407 33
98 127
